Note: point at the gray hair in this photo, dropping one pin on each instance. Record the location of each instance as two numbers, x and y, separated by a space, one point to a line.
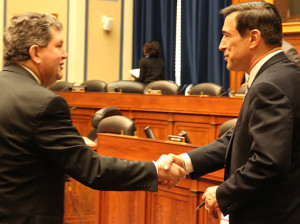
26 30
258 15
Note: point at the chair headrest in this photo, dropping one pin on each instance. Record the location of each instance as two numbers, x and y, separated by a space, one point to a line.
226 126
94 85
166 87
241 90
117 124
61 86
207 88
126 86
103 113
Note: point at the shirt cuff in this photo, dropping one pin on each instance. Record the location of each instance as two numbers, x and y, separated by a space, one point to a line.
188 163
155 166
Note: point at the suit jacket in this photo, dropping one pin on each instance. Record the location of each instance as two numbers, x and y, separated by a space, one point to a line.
151 69
262 154
39 145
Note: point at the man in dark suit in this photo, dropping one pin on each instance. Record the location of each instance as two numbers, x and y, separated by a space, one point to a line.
261 155
39 144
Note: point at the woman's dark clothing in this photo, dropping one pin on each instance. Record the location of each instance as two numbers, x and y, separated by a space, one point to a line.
151 69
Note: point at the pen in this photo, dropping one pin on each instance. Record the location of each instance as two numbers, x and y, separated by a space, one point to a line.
201 205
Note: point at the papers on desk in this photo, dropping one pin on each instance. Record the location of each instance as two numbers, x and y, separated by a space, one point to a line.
135 72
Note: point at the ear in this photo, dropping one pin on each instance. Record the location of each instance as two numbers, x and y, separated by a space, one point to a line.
255 38
34 53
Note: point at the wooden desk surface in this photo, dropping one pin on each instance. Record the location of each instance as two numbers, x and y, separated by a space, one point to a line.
224 106
133 148
200 117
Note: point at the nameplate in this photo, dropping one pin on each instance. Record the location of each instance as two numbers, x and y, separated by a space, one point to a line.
175 138
239 95
154 91
78 88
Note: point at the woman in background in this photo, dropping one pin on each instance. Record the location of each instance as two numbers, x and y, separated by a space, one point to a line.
152 67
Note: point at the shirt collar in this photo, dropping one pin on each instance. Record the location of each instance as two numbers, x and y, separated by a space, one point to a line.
259 64
34 76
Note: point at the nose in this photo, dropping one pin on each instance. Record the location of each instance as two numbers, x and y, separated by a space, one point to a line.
222 45
65 54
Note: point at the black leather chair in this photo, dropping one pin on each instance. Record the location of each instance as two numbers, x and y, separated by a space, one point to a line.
94 85
207 88
226 126
61 86
241 90
98 116
166 87
117 124
125 86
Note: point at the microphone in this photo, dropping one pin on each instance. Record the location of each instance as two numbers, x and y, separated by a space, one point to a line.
227 91
179 91
68 87
184 134
149 132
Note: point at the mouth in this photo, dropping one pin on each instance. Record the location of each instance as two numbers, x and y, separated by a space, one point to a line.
61 66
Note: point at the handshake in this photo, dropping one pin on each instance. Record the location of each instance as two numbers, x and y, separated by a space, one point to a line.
171 170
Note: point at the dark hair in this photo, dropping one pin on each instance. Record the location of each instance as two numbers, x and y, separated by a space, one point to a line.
258 15
152 48
25 30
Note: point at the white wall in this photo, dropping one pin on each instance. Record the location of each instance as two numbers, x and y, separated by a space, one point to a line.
101 49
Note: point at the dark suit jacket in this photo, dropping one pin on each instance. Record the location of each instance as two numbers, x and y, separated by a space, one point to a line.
262 154
151 69
39 144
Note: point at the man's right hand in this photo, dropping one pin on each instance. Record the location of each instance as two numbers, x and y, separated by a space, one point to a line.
171 170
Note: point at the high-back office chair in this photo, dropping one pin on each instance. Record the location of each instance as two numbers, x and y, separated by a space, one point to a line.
125 86
241 90
117 124
166 87
207 88
94 85
98 116
61 86
226 126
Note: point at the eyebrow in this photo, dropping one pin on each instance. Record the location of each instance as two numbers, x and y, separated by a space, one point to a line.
224 32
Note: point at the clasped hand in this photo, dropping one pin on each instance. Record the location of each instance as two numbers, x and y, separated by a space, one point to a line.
171 170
